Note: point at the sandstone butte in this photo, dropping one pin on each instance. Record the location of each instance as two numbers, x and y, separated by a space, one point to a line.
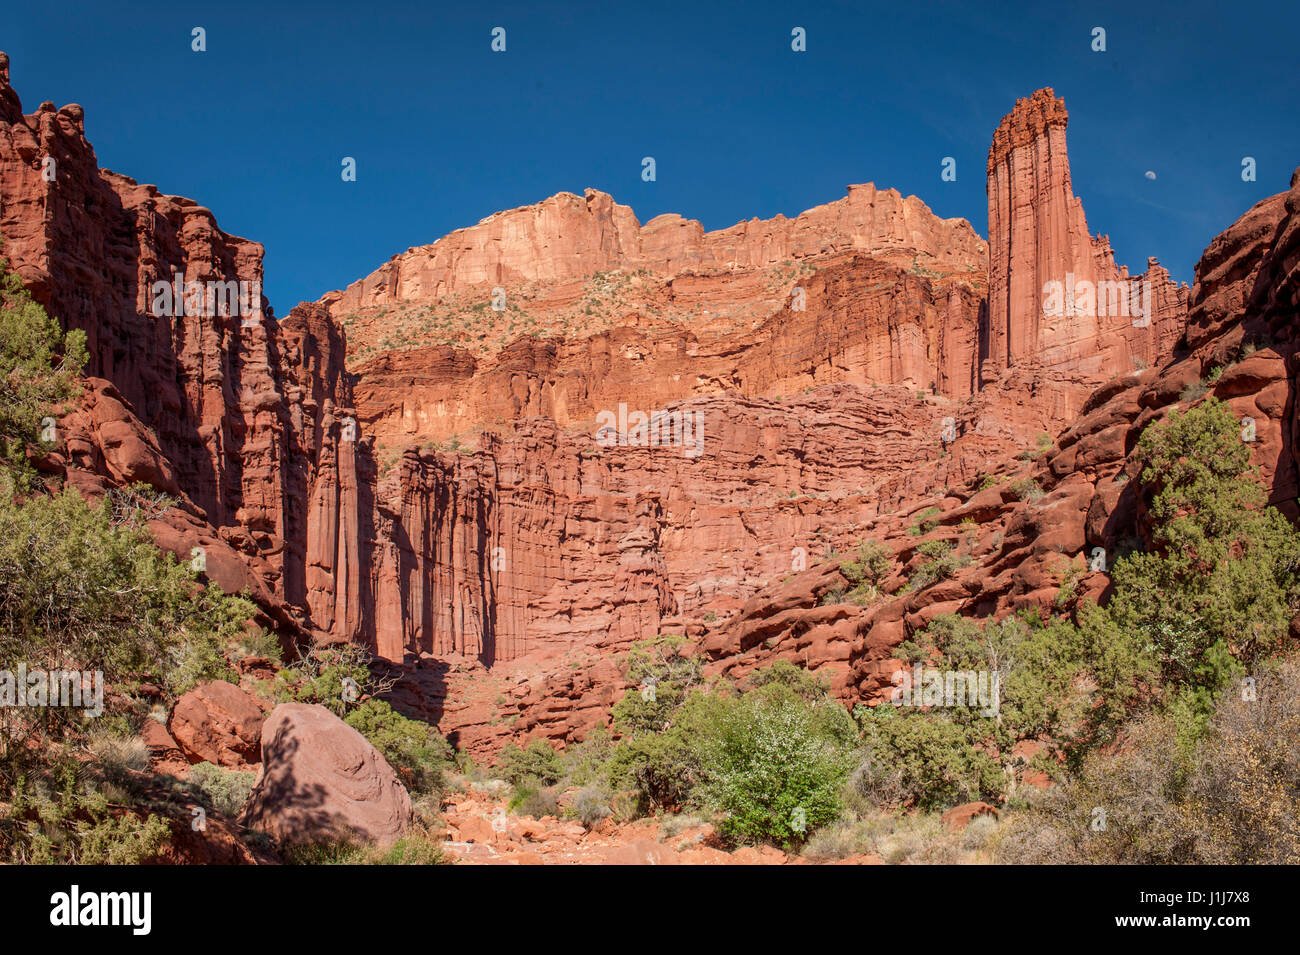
402 465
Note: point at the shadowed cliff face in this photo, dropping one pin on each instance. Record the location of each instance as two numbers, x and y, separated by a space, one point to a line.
209 395
661 429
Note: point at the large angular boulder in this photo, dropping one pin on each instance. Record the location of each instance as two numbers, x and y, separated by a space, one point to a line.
218 722
321 780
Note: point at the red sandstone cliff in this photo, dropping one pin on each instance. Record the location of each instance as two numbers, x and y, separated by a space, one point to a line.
566 238
240 412
1242 322
1038 235
849 367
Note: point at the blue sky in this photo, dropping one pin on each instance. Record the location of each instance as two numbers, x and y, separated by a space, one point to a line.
445 131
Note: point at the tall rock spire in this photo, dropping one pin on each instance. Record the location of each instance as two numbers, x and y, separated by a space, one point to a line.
1055 293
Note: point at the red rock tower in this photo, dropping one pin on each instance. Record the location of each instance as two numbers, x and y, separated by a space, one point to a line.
1056 296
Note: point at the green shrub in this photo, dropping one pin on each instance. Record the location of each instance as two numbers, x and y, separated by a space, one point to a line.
335 676
925 521
661 673
531 799
76 589
1218 588
1211 598
1027 489
414 749
78 593
417 848
783 681
776 767
537 761
197 662
226 790
587 763
590 806
836 595
873 565
924 760
941 562
41 366
420 846
664 769
83 587
61 819
261 643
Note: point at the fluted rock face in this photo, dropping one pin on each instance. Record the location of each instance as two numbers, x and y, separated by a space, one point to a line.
1242 322
1055 293
211 396
548 541
469 492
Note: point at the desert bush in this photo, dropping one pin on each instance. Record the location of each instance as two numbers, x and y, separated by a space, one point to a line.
776 766
1027 489
662 673
63 817
116 754
1220 584
420 846
587 763
836 841
78 593
336 677
664 769
925 521
836 595
1233 797
537 801
426 809
672 826
925 760
590 806
260 643
1245 790
137 504
41 365
1122 805
414 749
783 681
226 790
196 662
84 588
874 563
941 562
537 761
